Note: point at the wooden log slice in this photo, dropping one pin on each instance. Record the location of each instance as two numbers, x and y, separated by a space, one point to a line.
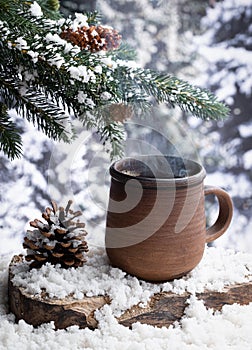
64 312
166 308
162 310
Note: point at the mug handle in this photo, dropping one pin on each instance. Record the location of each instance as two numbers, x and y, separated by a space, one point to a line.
225 213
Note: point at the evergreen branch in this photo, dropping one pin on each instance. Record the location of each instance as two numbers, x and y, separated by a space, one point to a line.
138 82
113 134
93 17
57 83
165 88
50 5
20 10
10 139
53 82
48 117
18 17
125 52
35 107
47 68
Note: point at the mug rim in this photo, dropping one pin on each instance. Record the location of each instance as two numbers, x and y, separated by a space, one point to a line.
186 181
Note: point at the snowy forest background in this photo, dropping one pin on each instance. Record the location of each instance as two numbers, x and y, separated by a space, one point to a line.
209 44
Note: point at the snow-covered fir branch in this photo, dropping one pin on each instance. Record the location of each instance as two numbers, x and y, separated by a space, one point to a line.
74 63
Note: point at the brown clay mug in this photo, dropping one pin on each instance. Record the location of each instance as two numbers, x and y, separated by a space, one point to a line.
156 223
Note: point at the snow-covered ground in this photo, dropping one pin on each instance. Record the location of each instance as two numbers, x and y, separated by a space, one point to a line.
199 328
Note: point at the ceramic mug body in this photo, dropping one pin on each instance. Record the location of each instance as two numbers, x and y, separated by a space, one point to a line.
156 224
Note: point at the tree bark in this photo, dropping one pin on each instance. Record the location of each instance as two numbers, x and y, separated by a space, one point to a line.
162 310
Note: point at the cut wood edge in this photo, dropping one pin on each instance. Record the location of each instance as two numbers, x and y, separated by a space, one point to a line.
163 309
63 312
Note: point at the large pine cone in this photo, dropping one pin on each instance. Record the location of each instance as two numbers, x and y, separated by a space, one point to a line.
59 241
93 38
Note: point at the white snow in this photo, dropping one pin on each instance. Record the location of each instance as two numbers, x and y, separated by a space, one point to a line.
245 130
82 98
247 159
199 328
79 21
98 69
235 60
34 55
56 39
80 73
233 185
106 95
57 60
218 268
21 44
35 10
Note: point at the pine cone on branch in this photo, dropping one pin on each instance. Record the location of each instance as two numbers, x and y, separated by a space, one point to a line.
61 240
93 38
